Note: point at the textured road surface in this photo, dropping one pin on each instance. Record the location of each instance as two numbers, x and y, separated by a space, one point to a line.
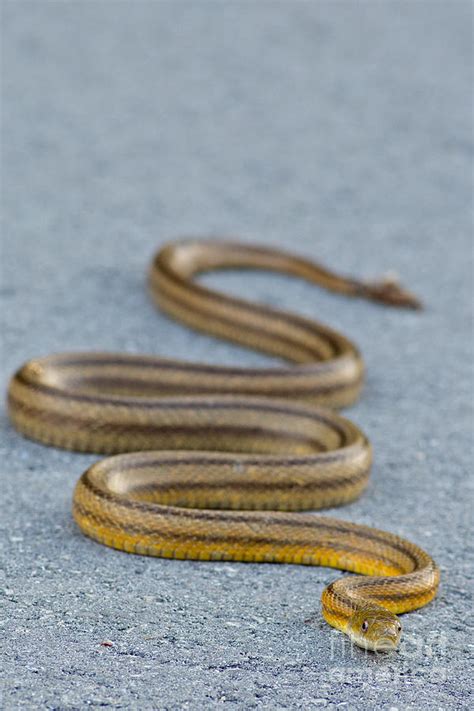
339 130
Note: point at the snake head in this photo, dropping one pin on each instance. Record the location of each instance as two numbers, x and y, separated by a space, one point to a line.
375 628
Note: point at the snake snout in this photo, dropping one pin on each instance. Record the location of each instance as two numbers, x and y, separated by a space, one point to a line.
386 636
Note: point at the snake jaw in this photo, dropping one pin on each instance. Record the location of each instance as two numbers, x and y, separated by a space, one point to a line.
388 643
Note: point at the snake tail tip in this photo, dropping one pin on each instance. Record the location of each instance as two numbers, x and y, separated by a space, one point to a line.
390 292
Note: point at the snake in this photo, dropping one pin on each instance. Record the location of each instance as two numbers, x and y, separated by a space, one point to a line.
221 463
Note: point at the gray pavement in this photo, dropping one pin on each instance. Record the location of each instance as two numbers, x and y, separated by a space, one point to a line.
342 131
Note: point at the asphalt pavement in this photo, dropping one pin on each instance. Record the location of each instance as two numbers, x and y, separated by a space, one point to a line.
340 131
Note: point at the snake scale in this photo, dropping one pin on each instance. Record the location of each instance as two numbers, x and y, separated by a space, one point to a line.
211 461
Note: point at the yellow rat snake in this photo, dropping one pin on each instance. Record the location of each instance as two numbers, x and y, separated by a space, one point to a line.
218 456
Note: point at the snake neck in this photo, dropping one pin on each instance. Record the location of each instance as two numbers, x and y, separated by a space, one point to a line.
351 596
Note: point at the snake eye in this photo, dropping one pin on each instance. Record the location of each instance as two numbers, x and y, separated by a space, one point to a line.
365 626
399 627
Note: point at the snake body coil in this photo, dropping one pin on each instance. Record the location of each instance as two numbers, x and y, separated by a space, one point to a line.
255 442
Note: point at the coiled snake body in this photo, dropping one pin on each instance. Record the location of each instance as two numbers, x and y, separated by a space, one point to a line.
218 456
